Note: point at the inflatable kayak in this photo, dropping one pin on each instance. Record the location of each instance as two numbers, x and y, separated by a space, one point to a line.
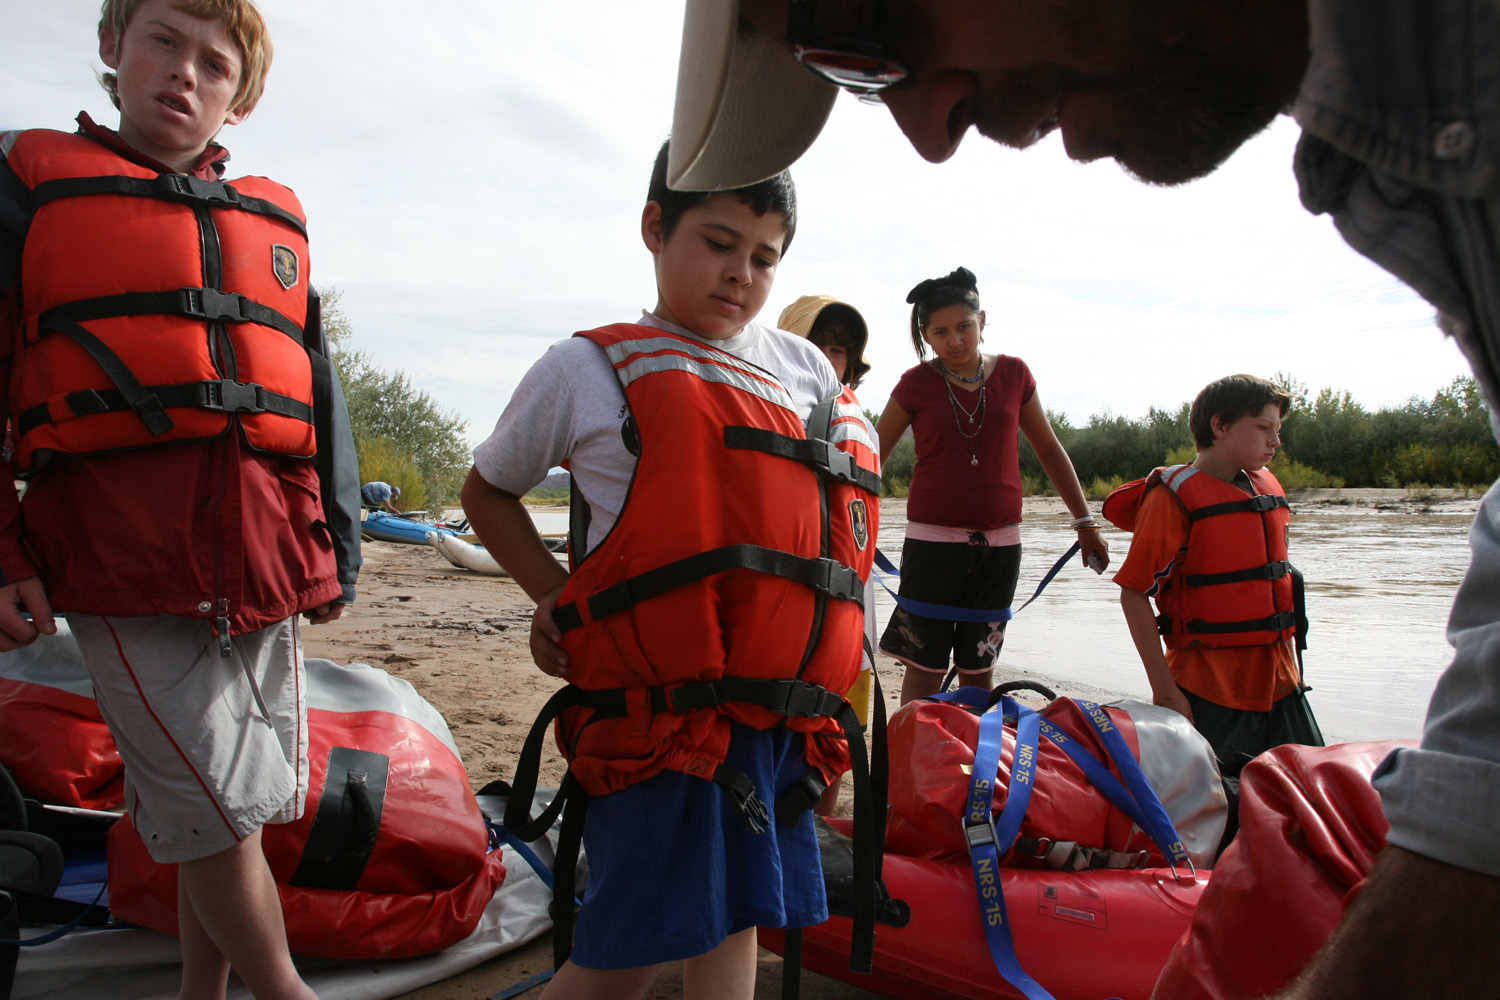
465 554
390 528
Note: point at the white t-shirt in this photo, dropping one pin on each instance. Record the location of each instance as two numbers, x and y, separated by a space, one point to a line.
570 406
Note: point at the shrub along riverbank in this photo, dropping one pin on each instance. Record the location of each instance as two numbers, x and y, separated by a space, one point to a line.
1329 440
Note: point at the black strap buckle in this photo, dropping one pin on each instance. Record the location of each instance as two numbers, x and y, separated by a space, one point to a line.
1264 502
839 463
211 304
196 189
234 397
799 699
838 581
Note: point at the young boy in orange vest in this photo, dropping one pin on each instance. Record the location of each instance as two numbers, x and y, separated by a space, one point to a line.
1211 549
717 566
192 488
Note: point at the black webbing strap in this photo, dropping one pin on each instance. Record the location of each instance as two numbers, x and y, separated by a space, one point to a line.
1272 623
219 395
565 869
322 411
518 819
824 456
1258 504
826 576
792 698
132 393
180 188
791 964
347 823
869 847
194 303
1270 571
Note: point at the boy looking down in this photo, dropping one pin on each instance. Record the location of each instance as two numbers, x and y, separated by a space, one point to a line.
695 572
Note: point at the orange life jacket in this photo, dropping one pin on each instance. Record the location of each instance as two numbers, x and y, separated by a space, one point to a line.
1232 584
156 307
739 560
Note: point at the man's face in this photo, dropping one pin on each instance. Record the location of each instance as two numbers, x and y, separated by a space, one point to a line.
176 77
1169 88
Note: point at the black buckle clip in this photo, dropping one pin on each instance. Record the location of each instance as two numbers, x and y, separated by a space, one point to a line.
191 188
235 397
839 463
1264 502
838 581
212 304
799 699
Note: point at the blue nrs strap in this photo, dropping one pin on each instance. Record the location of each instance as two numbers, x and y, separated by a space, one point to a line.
989 840
948 613
1146 810
1137 801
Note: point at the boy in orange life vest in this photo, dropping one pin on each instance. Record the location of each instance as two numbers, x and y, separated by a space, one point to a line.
1215 561
192 484
667 427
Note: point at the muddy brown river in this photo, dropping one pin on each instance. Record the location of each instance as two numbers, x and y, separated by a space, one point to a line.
1381 572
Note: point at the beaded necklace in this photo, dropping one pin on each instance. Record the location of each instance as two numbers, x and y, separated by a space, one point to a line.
978 411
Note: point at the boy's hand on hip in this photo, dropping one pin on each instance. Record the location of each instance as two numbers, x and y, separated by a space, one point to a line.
24 597
546 637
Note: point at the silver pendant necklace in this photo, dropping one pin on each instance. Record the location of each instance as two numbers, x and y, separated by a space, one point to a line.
977 412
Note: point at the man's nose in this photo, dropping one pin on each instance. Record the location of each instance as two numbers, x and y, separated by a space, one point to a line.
932 108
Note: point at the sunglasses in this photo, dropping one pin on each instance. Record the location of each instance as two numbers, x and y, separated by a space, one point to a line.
862 67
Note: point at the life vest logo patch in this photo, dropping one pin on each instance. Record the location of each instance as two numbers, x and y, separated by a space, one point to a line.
284 265
859 523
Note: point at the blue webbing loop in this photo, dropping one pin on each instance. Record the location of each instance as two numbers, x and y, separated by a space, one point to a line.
948 613
58 932
1157 823
1138 801
988 840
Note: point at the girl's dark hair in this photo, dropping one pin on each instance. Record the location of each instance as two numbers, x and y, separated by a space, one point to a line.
957 287
776 194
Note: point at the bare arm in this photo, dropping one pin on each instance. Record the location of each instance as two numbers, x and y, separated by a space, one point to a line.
893 423
502 524
1394 942
1141 621
1059 469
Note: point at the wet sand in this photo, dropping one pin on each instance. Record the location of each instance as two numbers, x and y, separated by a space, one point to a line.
461 640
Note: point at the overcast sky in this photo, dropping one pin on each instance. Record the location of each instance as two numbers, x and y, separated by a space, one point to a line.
473 174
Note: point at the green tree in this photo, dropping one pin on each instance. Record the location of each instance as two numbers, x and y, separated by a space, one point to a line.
400 431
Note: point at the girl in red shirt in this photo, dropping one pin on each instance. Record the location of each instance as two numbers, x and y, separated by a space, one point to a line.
963 537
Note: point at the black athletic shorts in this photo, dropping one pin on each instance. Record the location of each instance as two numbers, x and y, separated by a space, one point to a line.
971 574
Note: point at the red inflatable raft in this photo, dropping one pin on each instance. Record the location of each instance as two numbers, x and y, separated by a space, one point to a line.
1082 935
1087 934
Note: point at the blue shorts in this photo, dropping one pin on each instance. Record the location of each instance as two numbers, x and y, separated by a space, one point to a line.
673 869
